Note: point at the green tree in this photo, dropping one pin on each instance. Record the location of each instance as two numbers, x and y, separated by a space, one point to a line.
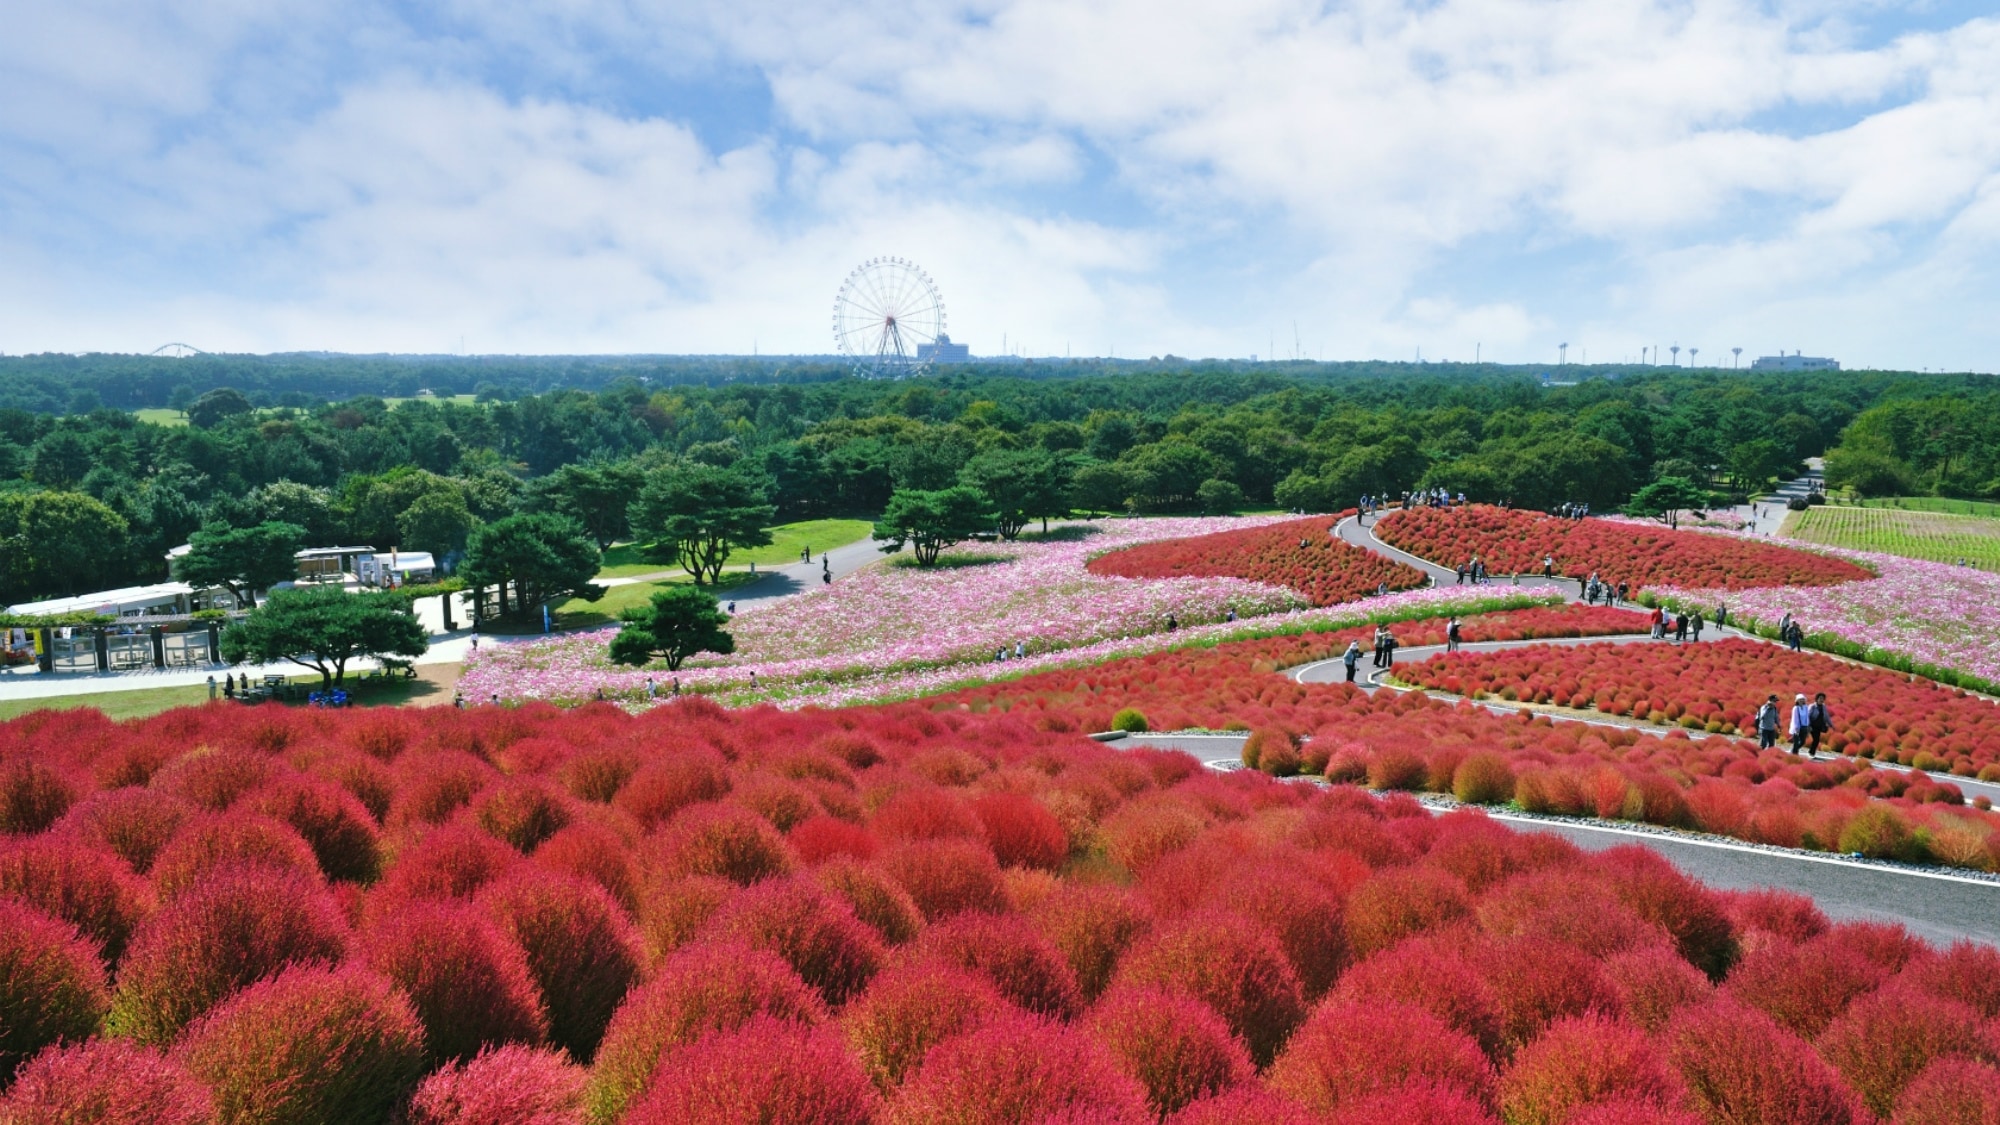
180 398
323 628
1020 484
438 522
1665 499
285 501
929 520
60 542
678 622
242 560
1167 476
1102 486
545 558
1753 463
210 409
1220 497
597 496
696 514
60 460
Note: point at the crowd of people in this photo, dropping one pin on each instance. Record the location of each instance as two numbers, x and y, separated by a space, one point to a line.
1806 724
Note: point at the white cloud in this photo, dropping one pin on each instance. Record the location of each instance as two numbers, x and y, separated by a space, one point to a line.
1167 175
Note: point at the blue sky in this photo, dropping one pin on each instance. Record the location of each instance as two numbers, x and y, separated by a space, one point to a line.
1144 176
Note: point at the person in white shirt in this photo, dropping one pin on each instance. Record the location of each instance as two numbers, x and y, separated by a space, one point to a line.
1801 724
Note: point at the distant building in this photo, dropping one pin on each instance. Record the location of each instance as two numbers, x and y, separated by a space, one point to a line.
1794 362
944 351
395 568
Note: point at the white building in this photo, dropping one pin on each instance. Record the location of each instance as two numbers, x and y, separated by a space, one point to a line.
944 351
164 598
395 568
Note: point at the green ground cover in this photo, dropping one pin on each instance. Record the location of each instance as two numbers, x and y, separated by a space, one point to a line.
579 614
1913 533
161 416
1943 504
624 560
393 691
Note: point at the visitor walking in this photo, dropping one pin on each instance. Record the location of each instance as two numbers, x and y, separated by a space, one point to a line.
1680 628
1767 723
1721 615
1801 722
652 689
1794 636
1020 649
1389 644
1380 633
1451 635
1624 588
1818 722
1548 566
1659 623
1694 626
1351 658
1173 623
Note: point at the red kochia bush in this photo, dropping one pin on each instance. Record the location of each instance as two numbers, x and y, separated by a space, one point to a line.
910 1008
1967 972
333 821
1415 1103
51 984
875 898
1306 916
468 982
32 796
1232 965
663 787
822 837
594 852
1739 1065
1177 1047
1694 915
1952 1092
434 785
233 839
521 811
721 839
583 953
1346 1052
1007 950
1246 1104
213 779
507 1086
1325 570
1436 974
1884 1041
448 862
947 876
767 1070
84 886
1092 924
1652 983
133 823
816 934
1018 1068
105 1082
234 927
310 1044
702 989
1395 904
1580 1061
1805 986
1022 832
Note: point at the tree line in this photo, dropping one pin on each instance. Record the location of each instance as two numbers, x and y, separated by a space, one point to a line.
96 498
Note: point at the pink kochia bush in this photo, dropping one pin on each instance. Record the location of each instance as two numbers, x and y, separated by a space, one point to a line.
112 1081
967 917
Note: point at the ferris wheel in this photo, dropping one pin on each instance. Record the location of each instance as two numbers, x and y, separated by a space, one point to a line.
888 318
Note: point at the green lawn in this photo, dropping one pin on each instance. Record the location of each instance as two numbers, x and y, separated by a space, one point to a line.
1944 504
624 560
141 702
462 400
1912 533
160 416
579 614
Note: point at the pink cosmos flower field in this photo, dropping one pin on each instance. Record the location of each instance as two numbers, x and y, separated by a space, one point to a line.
892 631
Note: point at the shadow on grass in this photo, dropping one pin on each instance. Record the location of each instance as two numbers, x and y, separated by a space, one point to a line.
1067 533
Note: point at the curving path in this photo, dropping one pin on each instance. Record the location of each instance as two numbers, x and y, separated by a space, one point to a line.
1938 905
1935 904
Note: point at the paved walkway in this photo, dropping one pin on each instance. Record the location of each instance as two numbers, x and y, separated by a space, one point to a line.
1939 905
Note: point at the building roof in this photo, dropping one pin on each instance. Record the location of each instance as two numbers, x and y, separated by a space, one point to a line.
106 601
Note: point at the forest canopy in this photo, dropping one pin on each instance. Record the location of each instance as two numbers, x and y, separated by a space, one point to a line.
570 436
